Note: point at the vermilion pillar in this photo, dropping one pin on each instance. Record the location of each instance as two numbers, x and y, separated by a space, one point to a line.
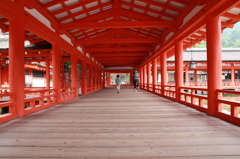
16 61
163 72
47 72
96 78
108 78
195 75
104 79
100 79
141 75
148 75
93 78
74 74
186 76
214 61
154 72
232 75
178 68
56 56
90 76
62 71
144 76
84 78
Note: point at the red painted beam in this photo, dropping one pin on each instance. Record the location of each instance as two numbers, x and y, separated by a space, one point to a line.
10 9
118 54
117 24
119 58
120 40
119 49
97 34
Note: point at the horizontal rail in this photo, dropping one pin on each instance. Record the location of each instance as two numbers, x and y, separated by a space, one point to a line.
39 99
169 91
7 107
189 96
68 94
229 109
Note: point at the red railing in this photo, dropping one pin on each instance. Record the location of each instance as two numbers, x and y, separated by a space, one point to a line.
158 89
169 92
89 89
68 94
39 99
150 87
229 107
189 96
197 84
7 102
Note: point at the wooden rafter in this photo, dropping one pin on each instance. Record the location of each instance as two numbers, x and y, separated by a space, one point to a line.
117 24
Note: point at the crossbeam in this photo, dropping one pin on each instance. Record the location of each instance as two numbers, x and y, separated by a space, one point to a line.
117 24
119 40
118 54
119 49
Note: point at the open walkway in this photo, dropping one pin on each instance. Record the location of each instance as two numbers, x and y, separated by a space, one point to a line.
130 125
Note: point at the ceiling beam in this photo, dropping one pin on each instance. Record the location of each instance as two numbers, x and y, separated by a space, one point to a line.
119 54
119 49
117 24
120 40
118 58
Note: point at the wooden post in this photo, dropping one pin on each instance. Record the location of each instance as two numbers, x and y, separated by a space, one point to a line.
47 72
154 72
232 76
141 76
16 61
62 72
90 77
144 76
56 56
148 75
214 61
95 78
186 77
104 79
74 74
84 78
163 72
195 76
178 68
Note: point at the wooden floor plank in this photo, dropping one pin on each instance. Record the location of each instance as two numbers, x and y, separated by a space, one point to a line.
130 125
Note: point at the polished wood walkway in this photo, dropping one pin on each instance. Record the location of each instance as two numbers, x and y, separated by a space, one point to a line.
129 125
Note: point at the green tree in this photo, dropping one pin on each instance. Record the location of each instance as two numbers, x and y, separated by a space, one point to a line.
225 42
230 38
237 43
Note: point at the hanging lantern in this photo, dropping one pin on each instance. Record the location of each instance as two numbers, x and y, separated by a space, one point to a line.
192 65
6 61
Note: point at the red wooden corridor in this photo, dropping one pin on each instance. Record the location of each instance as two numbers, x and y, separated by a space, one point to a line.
127 125
74 46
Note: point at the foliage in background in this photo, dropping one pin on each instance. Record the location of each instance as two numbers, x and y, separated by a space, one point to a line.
230 38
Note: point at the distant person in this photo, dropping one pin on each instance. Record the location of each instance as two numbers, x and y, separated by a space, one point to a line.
118 83
136 80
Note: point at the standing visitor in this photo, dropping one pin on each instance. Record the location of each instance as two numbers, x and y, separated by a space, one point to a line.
118 83
136 80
